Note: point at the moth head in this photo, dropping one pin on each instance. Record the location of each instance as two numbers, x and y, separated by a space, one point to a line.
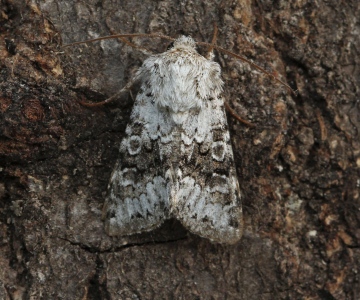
184 42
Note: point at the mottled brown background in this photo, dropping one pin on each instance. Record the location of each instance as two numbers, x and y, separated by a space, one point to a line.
298 168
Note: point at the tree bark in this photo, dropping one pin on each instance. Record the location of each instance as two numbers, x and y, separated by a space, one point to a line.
298 168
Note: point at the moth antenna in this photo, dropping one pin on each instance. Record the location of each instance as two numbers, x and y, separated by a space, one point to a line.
125 35
123 38
227 106
143 50
210 54
126 88
236 116
249 62
211 46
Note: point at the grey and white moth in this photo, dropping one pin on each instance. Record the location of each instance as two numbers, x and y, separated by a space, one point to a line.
176 159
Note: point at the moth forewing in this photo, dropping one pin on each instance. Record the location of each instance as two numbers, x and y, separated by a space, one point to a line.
176 159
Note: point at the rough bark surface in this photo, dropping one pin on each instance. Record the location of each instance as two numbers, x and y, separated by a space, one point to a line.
299 168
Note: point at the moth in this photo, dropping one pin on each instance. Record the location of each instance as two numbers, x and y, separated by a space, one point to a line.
176 159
